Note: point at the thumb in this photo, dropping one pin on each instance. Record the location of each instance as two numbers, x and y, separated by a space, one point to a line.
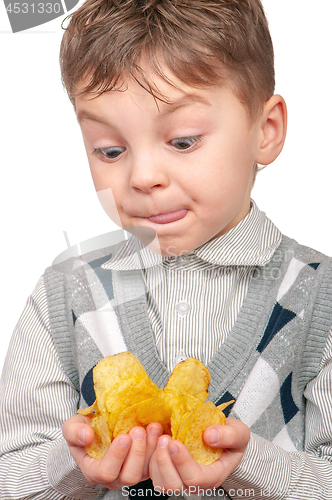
77 432
233 435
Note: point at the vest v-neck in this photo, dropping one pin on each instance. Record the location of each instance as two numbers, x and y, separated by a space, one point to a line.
243 339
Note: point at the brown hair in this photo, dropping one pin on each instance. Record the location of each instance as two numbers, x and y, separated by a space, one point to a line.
202 42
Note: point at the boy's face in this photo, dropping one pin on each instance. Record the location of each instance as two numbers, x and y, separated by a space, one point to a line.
185 170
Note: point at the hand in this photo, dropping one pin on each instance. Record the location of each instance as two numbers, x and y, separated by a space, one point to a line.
173 468
126 461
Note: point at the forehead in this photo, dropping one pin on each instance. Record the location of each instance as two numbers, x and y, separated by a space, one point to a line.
159 95
162 109
168 92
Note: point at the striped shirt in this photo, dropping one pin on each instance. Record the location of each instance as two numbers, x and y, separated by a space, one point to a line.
37 396
194 299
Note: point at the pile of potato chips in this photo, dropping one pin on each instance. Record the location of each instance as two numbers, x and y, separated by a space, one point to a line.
127 397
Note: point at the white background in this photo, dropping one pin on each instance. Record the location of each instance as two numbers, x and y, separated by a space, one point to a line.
45 181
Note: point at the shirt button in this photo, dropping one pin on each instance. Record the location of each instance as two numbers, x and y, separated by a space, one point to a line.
183 307
179 358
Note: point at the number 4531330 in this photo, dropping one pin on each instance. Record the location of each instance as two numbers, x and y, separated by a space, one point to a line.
40 8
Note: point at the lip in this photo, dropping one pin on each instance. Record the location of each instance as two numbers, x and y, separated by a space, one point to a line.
169 217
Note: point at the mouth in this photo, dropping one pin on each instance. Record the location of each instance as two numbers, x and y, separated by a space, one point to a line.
168 217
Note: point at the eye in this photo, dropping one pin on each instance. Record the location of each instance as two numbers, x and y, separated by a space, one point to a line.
185 143
109 154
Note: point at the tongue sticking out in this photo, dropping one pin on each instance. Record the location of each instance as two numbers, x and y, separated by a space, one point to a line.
170 217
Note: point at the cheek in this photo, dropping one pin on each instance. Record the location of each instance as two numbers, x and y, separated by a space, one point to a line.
109 197
236 168
108 202
225 181
106 176
100 179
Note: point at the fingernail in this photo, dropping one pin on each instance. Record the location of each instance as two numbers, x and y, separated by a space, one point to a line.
155 431
81 435
124 441
213 436
163 442
138 434
173 449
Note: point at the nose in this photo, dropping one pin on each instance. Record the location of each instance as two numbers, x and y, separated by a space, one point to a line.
148 173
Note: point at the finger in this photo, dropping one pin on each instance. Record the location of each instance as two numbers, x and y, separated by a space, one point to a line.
198 476
233 438
188 469
165 474
132 469
106 470
77 432
154 472
234 435
153 433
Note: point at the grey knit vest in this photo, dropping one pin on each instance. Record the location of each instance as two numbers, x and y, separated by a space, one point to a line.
277 341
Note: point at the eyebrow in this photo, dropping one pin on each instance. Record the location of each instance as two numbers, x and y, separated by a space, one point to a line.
169 108
187 100
85 115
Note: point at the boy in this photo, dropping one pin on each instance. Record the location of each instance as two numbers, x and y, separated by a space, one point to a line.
173 148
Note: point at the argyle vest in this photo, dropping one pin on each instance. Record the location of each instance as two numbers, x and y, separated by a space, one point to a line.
273 351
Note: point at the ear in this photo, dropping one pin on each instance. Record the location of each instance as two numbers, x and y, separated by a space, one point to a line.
273 126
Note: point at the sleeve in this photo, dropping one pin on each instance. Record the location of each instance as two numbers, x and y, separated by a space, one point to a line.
268 471
36 398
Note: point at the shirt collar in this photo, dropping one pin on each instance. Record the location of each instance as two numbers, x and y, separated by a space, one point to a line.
252 242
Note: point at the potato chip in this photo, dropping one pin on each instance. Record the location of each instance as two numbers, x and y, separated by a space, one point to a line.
128 418
178 416
102 439
190 377
224 405
191 432
89 410
180 412
126 397
120 381
158 409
